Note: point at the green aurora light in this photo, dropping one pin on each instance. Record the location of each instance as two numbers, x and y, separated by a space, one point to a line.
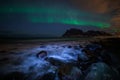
57 15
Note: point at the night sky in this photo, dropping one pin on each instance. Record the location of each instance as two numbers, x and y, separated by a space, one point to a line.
51 18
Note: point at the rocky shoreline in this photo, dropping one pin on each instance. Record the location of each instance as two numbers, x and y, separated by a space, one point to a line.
60 61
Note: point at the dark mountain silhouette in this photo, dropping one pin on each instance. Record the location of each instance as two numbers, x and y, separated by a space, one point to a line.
73 32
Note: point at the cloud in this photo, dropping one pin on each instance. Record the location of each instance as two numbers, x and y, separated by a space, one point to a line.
106 7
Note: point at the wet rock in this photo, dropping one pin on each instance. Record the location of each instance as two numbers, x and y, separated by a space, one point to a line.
101 71
106 57
48 76
89 58
69 46
78 47
82 56
84 65
67 78
64 70
41 54
92 47
76 74
93 52
40 71
70 73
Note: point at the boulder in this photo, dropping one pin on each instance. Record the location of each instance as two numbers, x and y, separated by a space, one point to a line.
93 47
101 71
68 72
47 76
76 74
77 47
42 54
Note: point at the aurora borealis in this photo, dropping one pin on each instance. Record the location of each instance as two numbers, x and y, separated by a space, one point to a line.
57 15
26 13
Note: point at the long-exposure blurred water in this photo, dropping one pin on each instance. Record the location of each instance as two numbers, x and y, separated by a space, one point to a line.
58 62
